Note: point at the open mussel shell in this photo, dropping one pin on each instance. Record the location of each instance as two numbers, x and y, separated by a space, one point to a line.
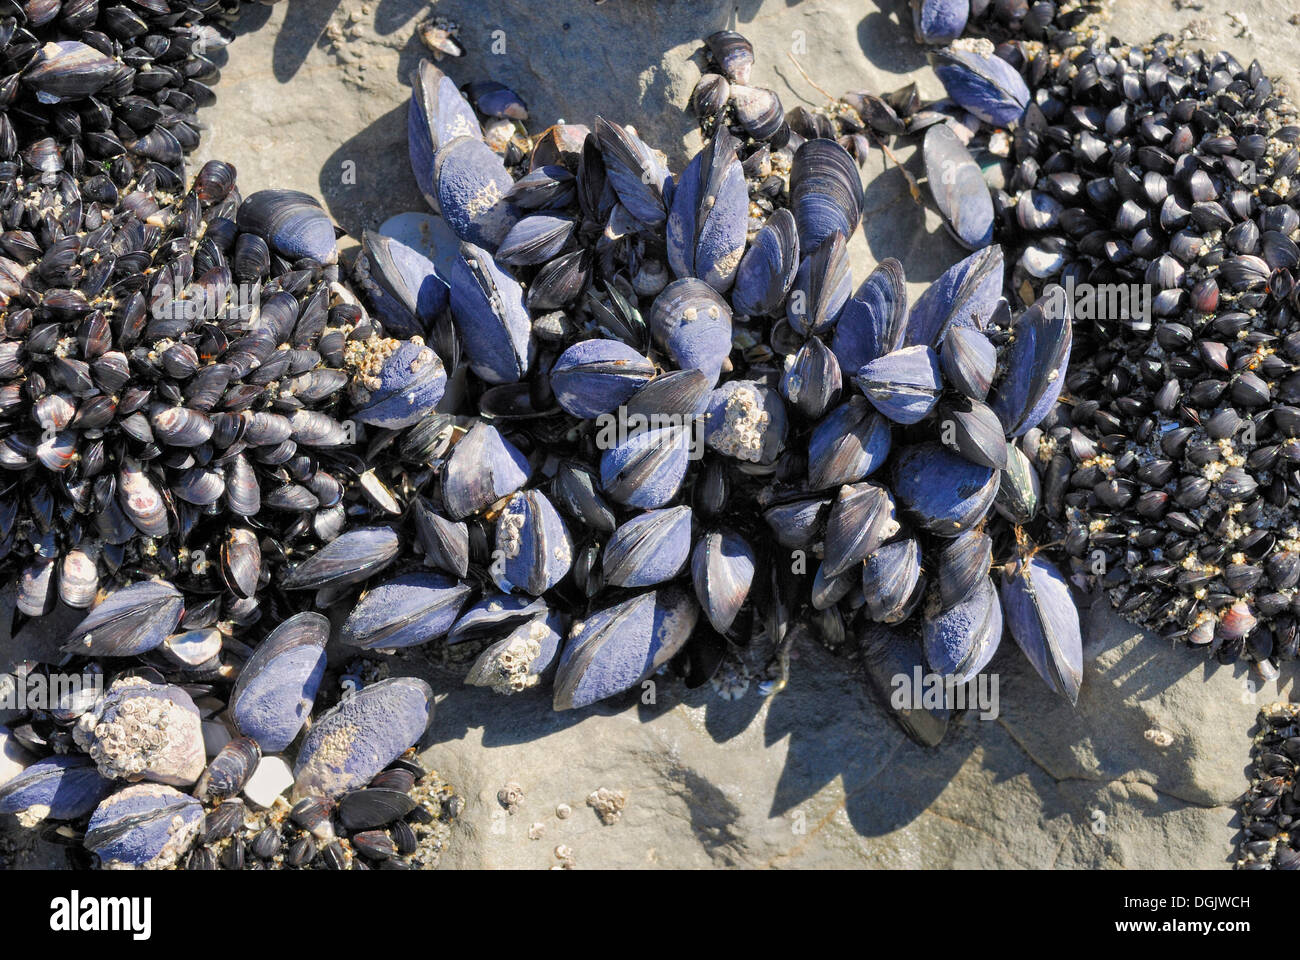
407 292
1034 365
649 548
520 659
874 321
277 686
888 653
61 787
981 82
129 621
960 640
615 648
958 187
483 468
709 217
350 558
692 322
362 735
634 172
768 268
944 492
1041 615
891 577
146 826
293 223
410 609
534 550
598 376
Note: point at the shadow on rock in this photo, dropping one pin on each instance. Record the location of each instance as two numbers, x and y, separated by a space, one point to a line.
304 22
885 36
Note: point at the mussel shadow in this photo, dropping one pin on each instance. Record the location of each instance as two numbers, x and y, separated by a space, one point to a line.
368 177
393 15
885 36
894 225
304 22
835 727
461 708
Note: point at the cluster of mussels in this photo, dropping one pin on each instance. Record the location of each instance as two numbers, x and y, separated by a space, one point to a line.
616 440
184 381
647 455
1271 805
1154 188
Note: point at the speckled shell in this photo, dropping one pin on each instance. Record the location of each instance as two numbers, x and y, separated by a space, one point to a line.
366 732
471 182
944 492
710 215
533 544
961 640
147 826
692 322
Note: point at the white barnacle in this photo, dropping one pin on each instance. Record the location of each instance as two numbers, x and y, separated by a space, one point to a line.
744 426
510 526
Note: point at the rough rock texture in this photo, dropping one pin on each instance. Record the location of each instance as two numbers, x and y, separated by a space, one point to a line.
821 776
